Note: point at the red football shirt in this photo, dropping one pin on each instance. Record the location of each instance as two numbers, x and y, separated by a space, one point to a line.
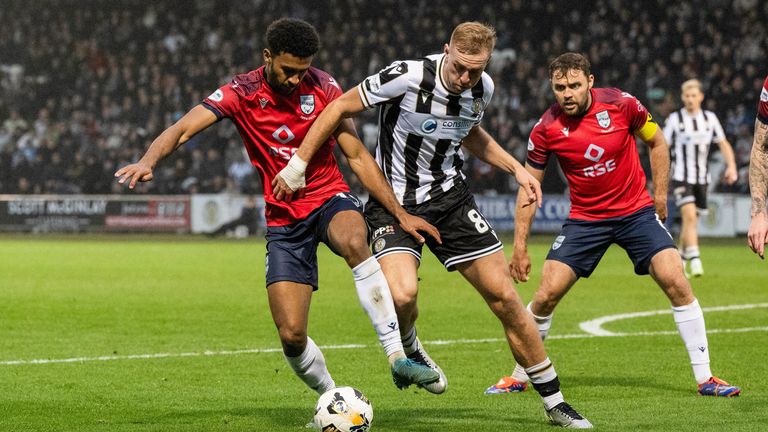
273 126
597 153
762 106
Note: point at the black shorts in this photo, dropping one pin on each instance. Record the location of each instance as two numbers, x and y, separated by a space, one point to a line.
292 249
465 233
685 193
581 244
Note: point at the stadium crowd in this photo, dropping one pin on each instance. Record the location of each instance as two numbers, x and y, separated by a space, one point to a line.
85 87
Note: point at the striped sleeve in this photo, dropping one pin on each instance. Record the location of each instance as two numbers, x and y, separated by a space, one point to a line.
390 83
717 128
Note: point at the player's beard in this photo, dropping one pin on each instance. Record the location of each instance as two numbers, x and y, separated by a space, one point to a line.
275 84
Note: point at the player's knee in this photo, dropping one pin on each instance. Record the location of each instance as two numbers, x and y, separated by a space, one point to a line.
354 249
293 338
403 295
545 300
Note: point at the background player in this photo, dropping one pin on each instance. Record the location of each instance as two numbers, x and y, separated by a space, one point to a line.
272 108
758 177
689 133
591 132
428 110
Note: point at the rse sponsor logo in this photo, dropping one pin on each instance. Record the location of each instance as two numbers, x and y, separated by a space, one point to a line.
283 152
594 153
597 170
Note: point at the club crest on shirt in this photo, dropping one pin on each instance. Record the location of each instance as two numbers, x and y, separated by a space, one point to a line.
603 119
558 242
307 103
477 105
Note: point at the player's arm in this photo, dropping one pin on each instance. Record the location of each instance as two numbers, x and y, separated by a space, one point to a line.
365 168
482 145
194 121
291 178
731 173
520 263
659 155
758 186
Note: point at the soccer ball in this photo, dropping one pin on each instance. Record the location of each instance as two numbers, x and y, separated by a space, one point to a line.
343 409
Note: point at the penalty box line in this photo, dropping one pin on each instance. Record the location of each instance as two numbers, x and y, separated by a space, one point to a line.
209 353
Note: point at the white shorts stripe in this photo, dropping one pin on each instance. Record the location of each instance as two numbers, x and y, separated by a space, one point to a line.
472 255
395 250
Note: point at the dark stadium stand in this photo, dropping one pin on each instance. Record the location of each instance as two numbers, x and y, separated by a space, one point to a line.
85 86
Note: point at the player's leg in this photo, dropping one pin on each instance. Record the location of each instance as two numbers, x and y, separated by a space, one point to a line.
346 234
289 303
689 238
651 249
490 276
399 255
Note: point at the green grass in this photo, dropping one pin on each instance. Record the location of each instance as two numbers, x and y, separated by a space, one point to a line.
72 297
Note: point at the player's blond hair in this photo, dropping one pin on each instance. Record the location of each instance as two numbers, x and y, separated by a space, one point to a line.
473 37
691 84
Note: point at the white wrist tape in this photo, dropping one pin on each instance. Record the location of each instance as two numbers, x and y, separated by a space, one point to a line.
293 173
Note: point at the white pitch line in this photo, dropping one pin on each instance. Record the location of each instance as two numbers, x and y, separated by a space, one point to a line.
347 346
595 326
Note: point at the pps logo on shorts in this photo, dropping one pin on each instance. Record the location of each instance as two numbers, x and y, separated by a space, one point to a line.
380 231
429 125
558 242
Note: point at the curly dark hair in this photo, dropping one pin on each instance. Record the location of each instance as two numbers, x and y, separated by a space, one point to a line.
292 36
569 61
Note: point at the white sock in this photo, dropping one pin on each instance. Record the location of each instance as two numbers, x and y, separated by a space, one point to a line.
691 252
544 323
310 367
544 380
690 323
409 341
374 295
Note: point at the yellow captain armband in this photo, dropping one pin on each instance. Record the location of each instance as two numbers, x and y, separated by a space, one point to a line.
648 130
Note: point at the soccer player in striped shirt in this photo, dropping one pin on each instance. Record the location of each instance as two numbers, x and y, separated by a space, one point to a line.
689 132
429 109
273 107
758 177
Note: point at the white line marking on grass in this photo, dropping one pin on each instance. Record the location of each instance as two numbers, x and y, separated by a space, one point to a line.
595 326
592 327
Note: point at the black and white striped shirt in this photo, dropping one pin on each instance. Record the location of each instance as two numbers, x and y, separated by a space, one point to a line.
421 125
689 137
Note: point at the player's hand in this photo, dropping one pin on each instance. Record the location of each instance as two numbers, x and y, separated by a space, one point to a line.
661 208
730 176
289 179
137 172
757 236
520 265
413 224
530 185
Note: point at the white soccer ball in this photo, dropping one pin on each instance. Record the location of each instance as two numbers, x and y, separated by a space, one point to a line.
343 409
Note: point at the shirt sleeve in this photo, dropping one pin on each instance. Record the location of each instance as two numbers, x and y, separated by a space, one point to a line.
636 112
390 83
670 125
224 102
762 106
719 134
538 154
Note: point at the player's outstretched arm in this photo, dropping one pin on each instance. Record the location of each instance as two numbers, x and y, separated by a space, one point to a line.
291 178
484 147
520 262
196 120
758 186
731 174
659 156
365 168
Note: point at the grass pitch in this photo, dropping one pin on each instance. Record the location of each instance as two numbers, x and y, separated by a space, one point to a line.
174 334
